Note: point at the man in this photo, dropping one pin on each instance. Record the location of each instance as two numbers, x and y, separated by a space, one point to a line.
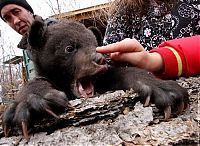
19 15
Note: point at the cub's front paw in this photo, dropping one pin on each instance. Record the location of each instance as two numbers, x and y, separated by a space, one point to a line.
167 95
35 101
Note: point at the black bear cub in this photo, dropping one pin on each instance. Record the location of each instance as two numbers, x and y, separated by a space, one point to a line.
68 67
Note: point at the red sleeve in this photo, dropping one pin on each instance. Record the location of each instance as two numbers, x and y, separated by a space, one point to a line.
181 57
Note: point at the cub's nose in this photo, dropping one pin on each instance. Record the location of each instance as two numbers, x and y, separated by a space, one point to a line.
99 59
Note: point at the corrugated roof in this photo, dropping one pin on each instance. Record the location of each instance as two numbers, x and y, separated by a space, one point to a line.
14 60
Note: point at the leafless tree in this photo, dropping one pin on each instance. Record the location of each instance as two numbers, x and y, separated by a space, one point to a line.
10 73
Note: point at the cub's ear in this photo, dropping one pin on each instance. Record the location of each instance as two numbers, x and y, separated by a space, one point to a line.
97 34
36 35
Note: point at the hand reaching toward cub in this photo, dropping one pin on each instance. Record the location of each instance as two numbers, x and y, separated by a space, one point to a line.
131 51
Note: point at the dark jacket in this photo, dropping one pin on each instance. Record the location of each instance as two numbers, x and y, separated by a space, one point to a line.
153 28
23 44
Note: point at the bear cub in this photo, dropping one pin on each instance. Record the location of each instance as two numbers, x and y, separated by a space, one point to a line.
69 67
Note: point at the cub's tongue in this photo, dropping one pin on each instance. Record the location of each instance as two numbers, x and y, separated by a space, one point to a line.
86 88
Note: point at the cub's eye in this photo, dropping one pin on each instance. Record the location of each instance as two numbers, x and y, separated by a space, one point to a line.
69 49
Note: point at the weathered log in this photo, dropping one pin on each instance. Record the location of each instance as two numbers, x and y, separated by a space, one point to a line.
116 119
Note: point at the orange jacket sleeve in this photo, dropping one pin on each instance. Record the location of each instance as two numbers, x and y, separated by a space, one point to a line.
181 57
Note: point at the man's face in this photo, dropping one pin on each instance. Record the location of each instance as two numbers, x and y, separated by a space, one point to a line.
17 17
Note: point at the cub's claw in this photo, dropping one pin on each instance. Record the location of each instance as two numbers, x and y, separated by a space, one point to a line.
25 131
180 108
167 113
6 131
147 101
52 113
168 110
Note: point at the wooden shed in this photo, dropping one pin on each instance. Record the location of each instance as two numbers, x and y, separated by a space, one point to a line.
90 16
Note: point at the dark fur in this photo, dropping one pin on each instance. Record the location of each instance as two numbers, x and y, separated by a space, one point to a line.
65 58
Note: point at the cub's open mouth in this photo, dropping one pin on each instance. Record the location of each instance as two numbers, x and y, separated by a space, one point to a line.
84 86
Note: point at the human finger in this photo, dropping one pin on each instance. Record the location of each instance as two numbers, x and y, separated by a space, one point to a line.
134 58
126 45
